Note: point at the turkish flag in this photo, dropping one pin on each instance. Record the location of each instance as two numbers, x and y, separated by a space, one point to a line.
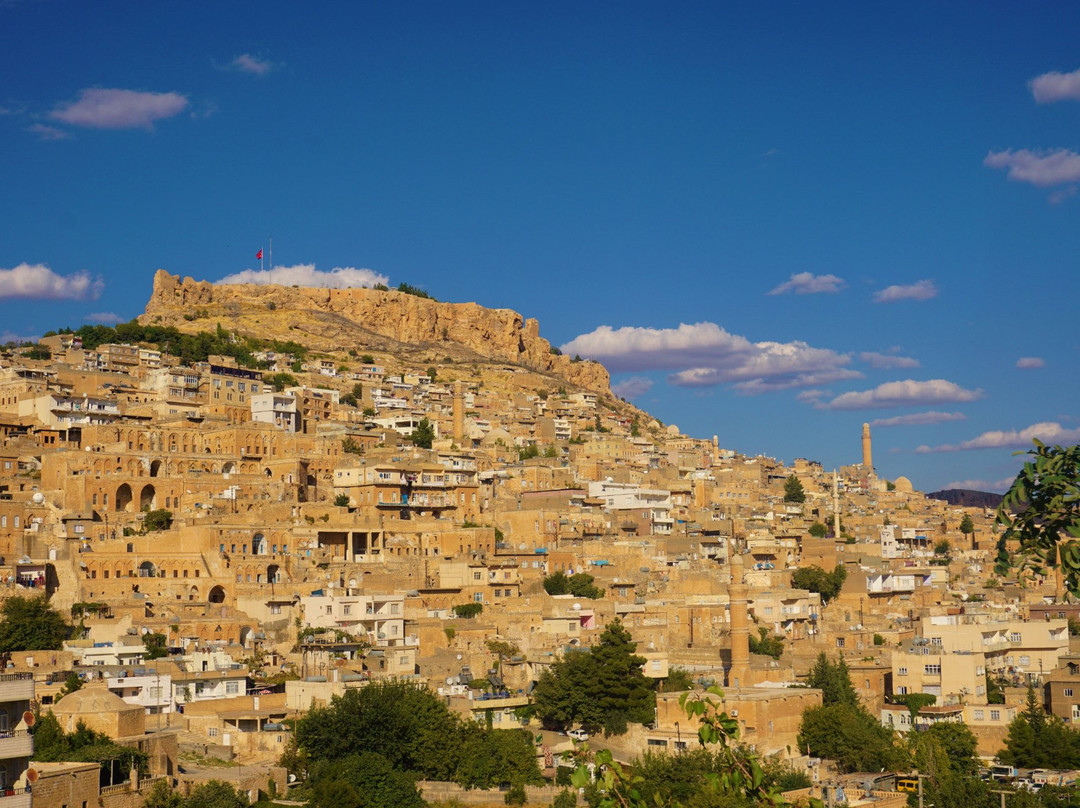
258 255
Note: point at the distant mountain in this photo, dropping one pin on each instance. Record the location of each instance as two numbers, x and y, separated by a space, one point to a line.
968 499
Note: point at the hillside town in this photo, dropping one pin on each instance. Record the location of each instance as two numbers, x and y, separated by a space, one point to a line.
236 540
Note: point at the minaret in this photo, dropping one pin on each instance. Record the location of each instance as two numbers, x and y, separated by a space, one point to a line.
867 455
739 672
715 449
836 504
459 415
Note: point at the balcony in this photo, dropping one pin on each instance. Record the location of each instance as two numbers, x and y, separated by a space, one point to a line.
16 687
15 798
19 744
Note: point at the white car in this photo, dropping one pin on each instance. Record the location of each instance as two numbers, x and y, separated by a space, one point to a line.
578 734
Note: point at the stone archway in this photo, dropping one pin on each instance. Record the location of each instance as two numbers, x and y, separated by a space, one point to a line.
124 498
155 468
217 595
147 498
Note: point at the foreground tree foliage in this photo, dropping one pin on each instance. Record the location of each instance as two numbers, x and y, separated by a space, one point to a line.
721 774
31 624
1041 514
600 688
379 739
793 490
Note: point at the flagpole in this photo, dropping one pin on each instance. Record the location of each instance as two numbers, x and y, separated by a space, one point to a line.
260 261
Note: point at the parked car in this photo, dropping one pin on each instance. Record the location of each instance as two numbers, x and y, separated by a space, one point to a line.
578 734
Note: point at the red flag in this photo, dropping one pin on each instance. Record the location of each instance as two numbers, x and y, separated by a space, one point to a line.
258 255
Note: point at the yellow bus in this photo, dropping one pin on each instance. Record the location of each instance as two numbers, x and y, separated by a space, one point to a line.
908 784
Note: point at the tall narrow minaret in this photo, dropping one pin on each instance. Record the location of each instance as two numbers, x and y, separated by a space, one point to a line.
835 505
739 672
459 415
867 455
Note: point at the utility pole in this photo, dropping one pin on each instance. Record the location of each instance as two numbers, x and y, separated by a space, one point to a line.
1002 792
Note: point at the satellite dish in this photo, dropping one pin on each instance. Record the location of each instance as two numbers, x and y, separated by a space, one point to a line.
449 680
29 718
577 607
31 775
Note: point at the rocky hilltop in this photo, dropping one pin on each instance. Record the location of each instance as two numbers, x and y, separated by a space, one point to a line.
339 319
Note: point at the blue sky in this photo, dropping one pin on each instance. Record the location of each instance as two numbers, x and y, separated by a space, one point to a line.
772 221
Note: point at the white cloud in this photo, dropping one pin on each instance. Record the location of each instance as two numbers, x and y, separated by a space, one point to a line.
880 361
307 275
1047 432
920 419
1054 86
806 283
997 486
1041 169
47 132
1030 362
907 393
705 354
38 281
246 63
920 290
633 387
1059 196
105 318
102 108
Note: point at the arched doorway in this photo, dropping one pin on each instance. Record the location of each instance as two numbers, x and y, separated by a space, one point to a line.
258 544
147 569
217 595
123 498
147 498
272 573
155 468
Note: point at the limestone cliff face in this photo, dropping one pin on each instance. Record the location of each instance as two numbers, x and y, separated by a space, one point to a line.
347 318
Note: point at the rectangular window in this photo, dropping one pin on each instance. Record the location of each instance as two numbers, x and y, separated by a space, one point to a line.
232 688
213 732
995 715
1014 637
1068 691
978 715
839 642
932 670
275 609
901 672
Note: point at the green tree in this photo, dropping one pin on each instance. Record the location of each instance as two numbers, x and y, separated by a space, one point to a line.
601 688
967 527
815 579
157 520
364 780
279 381
793 490
676 680
215 794
580 585
817 530
850 736
766 644
155 645
833 680
1040 513
942 547
30 624
1036 739
341 500
424 434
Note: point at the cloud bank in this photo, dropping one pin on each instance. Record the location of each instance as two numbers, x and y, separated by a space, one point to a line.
100 108
1030 362
907 393
920 290
704 354
633 387
920 419
1039 168
46 132
105 318
996 486
805 283
1054 86
38 281
307 275
1047 432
